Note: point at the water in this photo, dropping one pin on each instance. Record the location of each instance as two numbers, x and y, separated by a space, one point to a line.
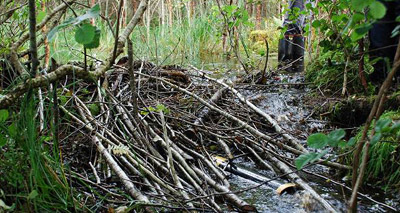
284 102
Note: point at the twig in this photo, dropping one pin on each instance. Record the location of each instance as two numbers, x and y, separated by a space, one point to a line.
272 121
95 173
117 26
133 191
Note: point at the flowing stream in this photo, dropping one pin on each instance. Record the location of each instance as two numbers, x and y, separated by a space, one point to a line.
284 101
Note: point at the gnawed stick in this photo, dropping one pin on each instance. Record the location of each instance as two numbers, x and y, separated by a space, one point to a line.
260 161
133 191
243 124
204 113
132 169
295 178
241 204
170 160
292 140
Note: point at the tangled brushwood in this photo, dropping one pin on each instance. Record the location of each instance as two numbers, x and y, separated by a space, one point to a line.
157 140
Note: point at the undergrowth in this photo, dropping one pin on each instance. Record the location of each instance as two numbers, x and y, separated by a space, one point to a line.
383 167
31 173
327 73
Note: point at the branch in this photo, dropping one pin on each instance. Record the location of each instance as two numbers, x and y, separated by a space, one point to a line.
124 36
14 47
40 81
20 89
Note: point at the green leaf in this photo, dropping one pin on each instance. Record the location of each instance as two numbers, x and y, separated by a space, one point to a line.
309 6
96 40
360 5
382 124
40 16
376 138
342 144
317 141
377 10
3 141
351 142
305 159
396 31
55 30
144 113
12 130
360 32
396 128
3 115
94 109
160 107
337 134
33 195
85 34
94 12
357 17
316 23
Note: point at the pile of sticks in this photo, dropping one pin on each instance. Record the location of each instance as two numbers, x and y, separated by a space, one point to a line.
159 134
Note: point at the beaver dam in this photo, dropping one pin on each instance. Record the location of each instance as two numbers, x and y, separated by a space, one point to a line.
191 140
93 119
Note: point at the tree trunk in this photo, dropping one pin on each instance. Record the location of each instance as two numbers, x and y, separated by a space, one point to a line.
131 6
170 12
258 16
32 36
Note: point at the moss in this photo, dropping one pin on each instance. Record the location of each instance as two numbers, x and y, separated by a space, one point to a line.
326 72
257 40
94 109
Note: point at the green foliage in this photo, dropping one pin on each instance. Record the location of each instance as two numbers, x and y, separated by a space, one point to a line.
3 115
31 173
85 33
305 159
159 108
347 23
384 162
319 141
94 109
326 72
234 14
